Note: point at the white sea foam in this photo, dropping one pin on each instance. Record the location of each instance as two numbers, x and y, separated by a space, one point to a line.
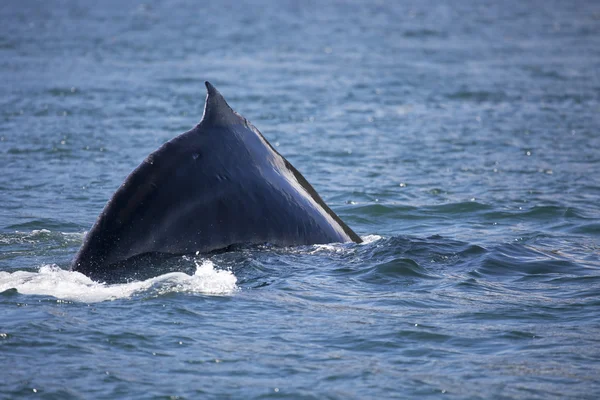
38 232
53 281
330 248
342 247
368 239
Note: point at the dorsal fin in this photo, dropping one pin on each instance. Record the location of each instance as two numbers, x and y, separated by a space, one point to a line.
216 109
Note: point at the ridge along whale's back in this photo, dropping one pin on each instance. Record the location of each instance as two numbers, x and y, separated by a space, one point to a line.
217 185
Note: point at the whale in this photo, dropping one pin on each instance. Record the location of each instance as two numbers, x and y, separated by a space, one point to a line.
218 185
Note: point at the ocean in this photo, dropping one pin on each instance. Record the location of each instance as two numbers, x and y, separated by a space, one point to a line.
460 140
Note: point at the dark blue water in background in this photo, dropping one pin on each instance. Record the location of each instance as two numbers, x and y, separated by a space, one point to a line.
460 139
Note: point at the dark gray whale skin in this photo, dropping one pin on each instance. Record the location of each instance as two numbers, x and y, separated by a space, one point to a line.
217 185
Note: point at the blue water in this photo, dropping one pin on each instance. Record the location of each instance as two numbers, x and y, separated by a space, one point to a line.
461 140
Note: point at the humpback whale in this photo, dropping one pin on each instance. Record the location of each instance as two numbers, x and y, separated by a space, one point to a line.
217 185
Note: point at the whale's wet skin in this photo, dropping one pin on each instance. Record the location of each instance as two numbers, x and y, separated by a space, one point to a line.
219 185
459 141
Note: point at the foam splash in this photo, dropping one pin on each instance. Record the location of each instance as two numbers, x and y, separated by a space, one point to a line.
343 247
53 281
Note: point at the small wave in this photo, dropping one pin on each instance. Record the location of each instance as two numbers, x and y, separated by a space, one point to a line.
518 261
37 236
400 267
424 33
69 285
478 96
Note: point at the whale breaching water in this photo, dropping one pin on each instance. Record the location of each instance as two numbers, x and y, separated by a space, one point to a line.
217 185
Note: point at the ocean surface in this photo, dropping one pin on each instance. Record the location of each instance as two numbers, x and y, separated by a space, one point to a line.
460 140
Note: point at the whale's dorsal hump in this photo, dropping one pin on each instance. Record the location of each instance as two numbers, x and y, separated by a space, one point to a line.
217 185
216 109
